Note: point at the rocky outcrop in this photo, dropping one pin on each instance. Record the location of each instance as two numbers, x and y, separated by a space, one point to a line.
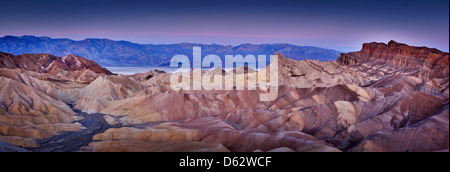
397 54
47 63
73 63
31 62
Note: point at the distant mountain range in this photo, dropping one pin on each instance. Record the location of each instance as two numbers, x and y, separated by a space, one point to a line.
123 53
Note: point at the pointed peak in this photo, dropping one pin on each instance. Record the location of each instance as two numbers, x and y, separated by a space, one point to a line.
278 54
393 43
281 59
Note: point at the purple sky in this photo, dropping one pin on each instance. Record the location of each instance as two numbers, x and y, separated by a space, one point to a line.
339 24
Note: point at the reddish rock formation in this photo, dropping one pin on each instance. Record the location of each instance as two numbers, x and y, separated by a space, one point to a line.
47 63
32 62
73 63
398 54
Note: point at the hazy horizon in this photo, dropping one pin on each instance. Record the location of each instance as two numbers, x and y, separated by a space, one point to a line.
171 43
218 43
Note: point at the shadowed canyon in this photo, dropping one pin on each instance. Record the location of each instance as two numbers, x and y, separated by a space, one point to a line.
384 98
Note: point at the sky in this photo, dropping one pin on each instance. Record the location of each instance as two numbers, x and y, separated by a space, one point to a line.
337 24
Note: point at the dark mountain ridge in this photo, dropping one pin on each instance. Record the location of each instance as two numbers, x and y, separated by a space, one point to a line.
123 53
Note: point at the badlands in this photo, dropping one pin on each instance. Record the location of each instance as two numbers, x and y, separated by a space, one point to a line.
385 98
